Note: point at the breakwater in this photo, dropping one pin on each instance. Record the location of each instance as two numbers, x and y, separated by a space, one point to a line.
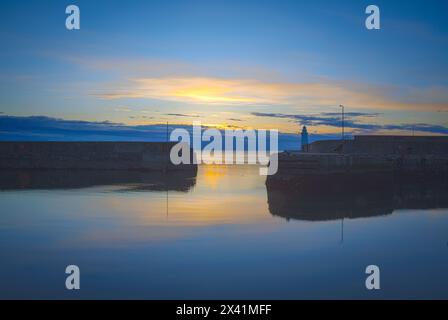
326 186
89 156
300 169
384 145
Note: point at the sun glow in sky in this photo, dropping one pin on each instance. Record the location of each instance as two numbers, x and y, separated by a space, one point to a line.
248 64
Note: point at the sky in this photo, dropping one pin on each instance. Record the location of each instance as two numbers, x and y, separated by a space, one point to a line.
247 64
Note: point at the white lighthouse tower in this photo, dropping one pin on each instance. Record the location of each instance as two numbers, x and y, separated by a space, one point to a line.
305 143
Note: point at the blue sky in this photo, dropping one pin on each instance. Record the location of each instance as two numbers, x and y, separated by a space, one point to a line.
253 64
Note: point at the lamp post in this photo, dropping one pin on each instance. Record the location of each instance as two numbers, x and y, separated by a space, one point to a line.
343 133
343 129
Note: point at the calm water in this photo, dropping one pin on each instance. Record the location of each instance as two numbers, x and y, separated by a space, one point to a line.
213 237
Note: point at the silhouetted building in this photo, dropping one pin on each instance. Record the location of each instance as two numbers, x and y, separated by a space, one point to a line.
305 142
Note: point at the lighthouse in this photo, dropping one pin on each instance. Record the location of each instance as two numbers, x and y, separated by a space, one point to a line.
304 139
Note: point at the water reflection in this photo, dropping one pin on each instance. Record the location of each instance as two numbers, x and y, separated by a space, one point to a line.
321 198
129 180
216 241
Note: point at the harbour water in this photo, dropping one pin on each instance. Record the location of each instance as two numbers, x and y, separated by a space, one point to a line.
217 235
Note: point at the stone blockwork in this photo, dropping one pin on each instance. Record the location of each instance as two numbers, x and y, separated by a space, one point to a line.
89 155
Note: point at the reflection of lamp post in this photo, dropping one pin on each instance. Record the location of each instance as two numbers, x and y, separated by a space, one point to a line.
342 231
341 106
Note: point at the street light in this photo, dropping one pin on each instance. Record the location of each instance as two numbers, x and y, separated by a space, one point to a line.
341 106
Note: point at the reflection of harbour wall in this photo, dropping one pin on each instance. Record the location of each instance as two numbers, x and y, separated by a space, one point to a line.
331 197
88 155
127 180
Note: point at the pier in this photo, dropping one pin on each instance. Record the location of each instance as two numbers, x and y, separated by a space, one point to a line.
148 156
364 177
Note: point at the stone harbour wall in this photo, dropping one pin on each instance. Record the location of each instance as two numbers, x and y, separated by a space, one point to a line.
89 155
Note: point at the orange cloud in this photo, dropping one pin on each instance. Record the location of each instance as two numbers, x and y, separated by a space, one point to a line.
203 90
